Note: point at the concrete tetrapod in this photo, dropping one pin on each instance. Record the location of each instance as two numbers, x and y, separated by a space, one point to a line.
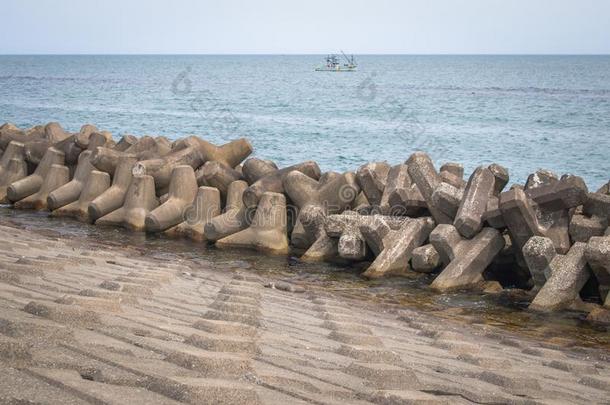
273 182
230 154
425 259
14 150
97 182
400 195
372 178
16 169
106 159
113 198
453 174
216 174
594 219
70 191
324 248
393 248
32 183
346 227
182 191
520 212
538 253
205 207
268 230
56 177
568 274
161 169
255 169
235 218
597 254
334 193
466 258
424 175
139 201
481 186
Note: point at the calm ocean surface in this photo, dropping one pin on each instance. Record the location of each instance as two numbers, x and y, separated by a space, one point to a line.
524 112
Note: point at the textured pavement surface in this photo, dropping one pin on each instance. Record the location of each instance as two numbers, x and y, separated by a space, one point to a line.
81 325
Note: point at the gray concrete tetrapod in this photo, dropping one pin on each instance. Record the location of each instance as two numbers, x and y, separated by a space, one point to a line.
161 168
205 207
453 174
14 150
254 169
230 154
466 258
139 201
594 219
538 253
97 182
424 175
56 177
273 182
425 259
480 188
182 191
568 274
400 195
70 192
372 178
106 159
220 176
268 230
235 217
447 198
597 254
32 183
521 210
324 248
113 198
16 169
346 227
333 193
393 248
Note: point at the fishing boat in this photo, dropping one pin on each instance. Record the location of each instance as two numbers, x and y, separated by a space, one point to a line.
334 65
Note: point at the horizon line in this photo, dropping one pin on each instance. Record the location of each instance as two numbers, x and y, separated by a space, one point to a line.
303 54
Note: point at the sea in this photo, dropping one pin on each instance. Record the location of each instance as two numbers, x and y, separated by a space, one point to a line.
523 112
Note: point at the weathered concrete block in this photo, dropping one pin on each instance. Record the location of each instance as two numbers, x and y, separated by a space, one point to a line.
14 150
424 175
255 169
15 170
161 169
97 182
372 178
468 258
569 273
32 183
447 199
273 182
394 248
333 193
538 253
56 177
139 201
501 177
216 174
425 259
182 191
235 217
124 143
582 228
230 154
324 248
480 187
205 207
597 254
114 197
597 205
453 174
268 230
400 195
70 192
106 159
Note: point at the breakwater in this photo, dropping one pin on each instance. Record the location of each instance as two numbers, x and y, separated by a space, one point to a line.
548 237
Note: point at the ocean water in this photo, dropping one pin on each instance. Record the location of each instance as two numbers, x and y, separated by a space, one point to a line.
524 112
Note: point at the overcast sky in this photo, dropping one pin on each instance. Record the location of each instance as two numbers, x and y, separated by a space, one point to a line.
310 26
